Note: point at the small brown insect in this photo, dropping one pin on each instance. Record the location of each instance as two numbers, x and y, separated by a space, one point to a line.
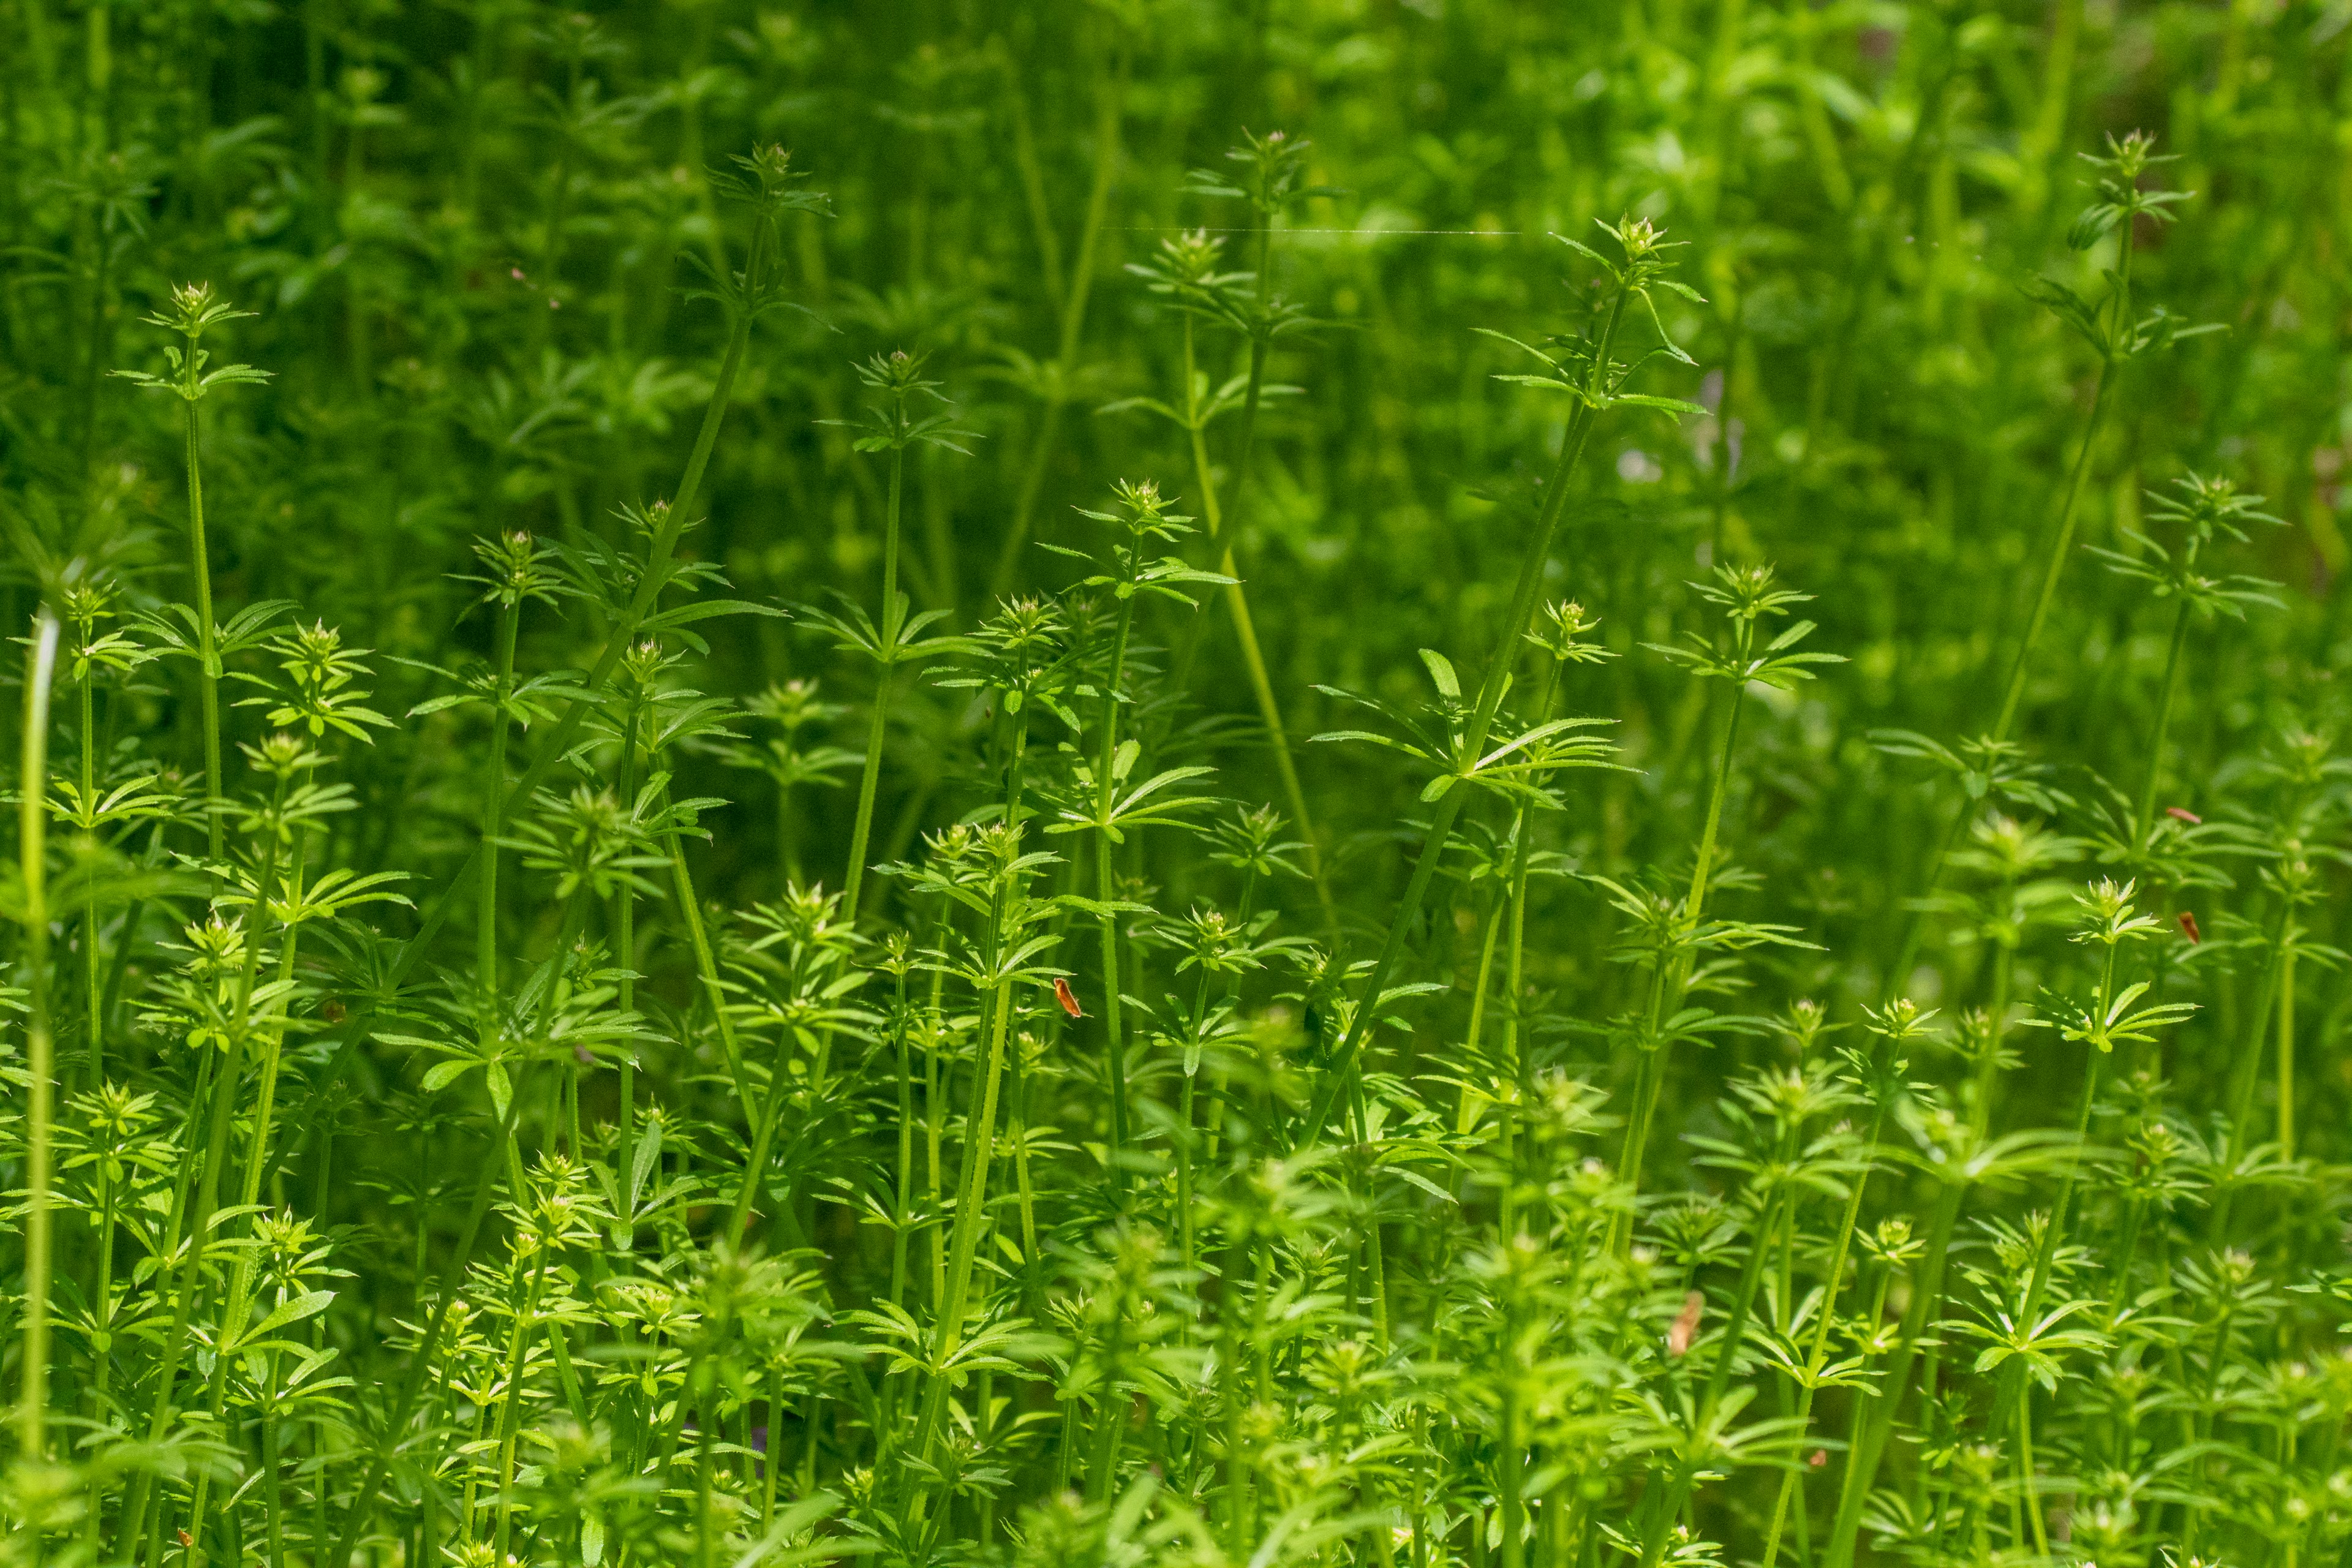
1685 1325
1066 997
2183 813
185 1538
1820 1456
2189 927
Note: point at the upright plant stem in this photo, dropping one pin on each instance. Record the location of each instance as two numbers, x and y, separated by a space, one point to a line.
32 848
889 621
1108 107
660 557
189 1277
1236 593
2246 1070
1996 1026
361 1511
2025 1468
207 655
1473 1031
2286 1051
1511 1460
2062 543
980 1136
1668 986
1106 890
1664 1505
1875 1414
2172 672
1513 1061
2053 1236
266 887
971 1199
1221 529
1816 1357
1339 1071
903 1207
511 1415
494 802
93 992
625 942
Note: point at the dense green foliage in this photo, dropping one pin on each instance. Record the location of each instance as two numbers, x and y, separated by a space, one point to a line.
1373 782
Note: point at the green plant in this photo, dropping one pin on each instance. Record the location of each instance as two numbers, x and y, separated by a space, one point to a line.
1628 1086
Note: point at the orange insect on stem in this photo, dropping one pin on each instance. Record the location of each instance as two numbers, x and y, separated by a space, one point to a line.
1685 1325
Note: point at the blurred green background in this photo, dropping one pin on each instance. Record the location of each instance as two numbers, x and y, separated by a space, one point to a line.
461 226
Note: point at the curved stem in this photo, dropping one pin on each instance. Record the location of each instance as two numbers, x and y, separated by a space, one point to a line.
93 992
32 848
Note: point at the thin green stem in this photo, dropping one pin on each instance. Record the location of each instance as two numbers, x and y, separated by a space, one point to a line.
33 852
361 1511
2025 1468
1671 978
1236 595
207 655
2061 543
660 559
239 1308
625 942
2287 1053
970 1201
1108 107
1875 1414
189 1274
494 804
2062 538
2145 821
1338 1073
1663 1504
889 622
510 1415
93 992
1817 1356
1107 892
